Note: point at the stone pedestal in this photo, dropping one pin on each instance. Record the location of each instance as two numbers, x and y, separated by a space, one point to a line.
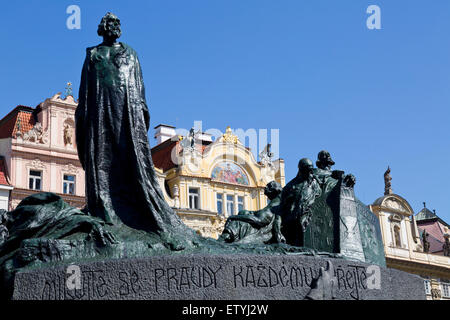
214 277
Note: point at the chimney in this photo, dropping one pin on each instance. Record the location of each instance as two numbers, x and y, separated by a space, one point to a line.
164 132
205 137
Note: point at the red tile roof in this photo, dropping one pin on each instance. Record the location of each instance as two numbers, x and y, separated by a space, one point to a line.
3 172
162 153
20 117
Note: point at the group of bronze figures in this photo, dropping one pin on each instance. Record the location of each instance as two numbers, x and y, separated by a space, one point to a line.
286 217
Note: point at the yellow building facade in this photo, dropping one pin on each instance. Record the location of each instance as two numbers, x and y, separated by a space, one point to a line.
404 247
206 181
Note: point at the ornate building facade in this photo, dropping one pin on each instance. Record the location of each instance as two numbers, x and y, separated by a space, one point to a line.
406 247
39 151
204 181
208 181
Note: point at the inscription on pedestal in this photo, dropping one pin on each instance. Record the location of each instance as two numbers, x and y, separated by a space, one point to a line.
215 277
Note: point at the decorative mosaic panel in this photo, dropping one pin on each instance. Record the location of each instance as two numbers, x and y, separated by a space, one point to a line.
230 173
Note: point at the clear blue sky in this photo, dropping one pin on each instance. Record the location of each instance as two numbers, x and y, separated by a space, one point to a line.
312 69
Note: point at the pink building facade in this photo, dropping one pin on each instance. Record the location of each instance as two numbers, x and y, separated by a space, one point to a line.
39 150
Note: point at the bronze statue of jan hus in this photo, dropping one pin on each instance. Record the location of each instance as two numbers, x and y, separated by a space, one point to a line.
261 226
112 120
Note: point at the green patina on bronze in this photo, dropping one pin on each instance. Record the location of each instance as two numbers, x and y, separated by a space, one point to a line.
318 210
126 215
262 226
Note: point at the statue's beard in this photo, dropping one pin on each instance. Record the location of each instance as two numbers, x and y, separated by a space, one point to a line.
114 32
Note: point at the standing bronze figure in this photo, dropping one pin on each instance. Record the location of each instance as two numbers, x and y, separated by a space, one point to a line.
297 199
112 120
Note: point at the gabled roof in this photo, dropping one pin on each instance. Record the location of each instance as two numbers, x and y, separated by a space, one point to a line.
425 214
20 118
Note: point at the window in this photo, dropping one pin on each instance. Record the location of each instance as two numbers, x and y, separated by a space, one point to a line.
194 198
427 286
68 184
240 203
35 180
397 240
445 288
219 198
230 205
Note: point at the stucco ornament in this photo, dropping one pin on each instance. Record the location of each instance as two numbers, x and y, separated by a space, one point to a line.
68 134
229 137
36 134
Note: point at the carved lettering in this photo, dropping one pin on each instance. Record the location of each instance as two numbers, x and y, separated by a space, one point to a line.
250 277
238 275
96 284
262 280
297 272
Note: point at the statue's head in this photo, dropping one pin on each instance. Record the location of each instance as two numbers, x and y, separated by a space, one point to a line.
109 27
324 160
305 166
272 190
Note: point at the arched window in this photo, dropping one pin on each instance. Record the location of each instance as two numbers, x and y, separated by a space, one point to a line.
396 230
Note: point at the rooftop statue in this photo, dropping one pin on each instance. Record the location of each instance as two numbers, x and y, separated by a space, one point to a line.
425 241
387 182
446 245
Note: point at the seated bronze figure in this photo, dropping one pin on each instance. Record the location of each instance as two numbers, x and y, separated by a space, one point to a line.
261 226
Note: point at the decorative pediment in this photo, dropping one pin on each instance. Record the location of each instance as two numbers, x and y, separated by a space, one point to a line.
396 203
36 164
68 99
70 168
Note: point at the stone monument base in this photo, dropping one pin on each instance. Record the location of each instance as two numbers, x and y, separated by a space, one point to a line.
214 277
